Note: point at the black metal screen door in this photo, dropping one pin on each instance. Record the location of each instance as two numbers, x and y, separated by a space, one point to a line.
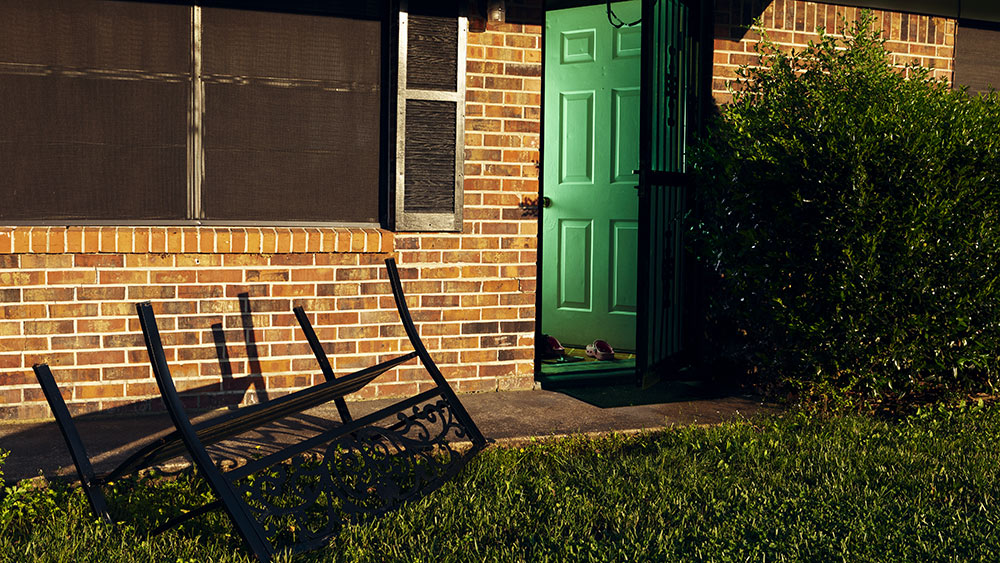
670 69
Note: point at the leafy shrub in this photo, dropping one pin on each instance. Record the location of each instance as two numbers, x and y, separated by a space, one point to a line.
24 504
850 216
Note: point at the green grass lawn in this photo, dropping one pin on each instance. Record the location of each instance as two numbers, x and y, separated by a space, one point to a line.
774 489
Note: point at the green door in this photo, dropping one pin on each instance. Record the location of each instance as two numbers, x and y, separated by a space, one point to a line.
590 231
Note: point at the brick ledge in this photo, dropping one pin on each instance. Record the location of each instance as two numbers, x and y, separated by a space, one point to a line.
193 240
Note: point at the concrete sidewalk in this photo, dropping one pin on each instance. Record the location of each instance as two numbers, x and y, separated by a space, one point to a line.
38 448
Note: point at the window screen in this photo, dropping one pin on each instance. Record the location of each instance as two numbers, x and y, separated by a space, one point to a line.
291 116
93 110
976 65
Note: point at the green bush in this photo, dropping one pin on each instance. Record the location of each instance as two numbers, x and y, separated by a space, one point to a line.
850 218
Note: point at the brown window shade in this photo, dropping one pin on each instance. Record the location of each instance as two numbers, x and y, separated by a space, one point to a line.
430 156
93 110
304 156
292 117
107 35
133 112
432 53
976 64
338 51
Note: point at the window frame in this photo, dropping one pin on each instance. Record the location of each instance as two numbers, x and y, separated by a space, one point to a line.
195 166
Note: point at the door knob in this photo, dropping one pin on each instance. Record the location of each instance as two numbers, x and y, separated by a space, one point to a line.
546 202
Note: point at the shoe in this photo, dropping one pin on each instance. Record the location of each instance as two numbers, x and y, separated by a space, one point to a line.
601 350
550 348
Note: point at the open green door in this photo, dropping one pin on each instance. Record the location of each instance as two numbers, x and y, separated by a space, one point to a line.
591 145
669 105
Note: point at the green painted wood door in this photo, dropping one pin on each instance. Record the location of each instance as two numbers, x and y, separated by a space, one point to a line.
591 146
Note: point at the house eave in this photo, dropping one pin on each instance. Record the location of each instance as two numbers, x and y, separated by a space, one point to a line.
984 10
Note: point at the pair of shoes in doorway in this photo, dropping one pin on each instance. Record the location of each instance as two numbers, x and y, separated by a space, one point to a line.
552 349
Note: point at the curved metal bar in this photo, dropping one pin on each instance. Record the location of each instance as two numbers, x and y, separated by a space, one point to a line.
425 358
244 523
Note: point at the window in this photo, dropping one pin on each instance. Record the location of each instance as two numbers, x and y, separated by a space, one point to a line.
290 115
93 110
975 59
143 113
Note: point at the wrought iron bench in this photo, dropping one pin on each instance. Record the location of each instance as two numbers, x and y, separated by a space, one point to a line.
299 496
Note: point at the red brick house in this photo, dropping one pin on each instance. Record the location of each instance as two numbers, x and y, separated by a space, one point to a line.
229 162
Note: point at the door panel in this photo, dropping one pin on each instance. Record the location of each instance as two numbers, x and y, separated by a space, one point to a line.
575 251
625 250
628 42
578 46
625 140
576 138
590 231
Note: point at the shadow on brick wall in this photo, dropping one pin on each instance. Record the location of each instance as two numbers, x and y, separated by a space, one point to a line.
526 12
735 18
113 433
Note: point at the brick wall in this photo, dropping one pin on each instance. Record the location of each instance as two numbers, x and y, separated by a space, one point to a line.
488 272
929 41
224 297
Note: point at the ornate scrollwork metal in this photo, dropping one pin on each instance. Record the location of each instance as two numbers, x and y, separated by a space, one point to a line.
361 475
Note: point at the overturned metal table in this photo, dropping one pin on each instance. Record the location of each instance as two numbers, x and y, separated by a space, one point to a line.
360 468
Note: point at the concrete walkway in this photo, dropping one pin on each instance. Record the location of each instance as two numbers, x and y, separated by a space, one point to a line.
38 448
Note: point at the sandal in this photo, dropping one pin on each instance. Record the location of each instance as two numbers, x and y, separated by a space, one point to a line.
601 350
550 348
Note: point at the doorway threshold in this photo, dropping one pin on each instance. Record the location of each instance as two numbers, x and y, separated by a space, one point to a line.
552 382
583 373
576 369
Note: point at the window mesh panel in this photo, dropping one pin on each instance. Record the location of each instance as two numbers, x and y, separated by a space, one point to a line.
430 157
975 60
93 111
305 155
342 52
432 53
292 117
63 34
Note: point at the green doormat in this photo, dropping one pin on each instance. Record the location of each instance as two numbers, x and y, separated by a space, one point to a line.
576 360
